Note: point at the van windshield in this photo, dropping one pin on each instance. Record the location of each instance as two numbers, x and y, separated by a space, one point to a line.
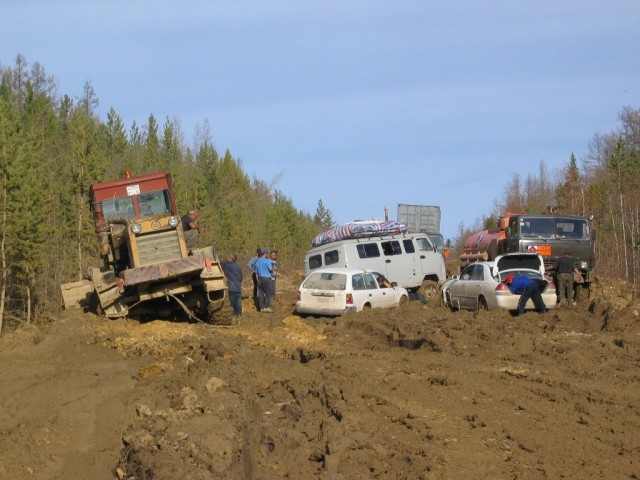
424 244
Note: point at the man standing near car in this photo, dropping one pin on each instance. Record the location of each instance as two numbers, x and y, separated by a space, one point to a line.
527 288
565 268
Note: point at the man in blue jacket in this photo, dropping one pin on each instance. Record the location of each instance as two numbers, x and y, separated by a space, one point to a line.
233 272
527 288
264 271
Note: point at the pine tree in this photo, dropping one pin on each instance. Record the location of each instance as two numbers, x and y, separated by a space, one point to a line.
570 192
323 219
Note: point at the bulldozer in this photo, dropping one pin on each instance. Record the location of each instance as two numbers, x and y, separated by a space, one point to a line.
147 270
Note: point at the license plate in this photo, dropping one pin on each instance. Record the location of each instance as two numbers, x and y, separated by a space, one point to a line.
544 250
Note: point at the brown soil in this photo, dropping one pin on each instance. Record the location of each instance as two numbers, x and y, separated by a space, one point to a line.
413 393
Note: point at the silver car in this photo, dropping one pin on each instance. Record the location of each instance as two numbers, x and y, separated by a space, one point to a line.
480 285
334 291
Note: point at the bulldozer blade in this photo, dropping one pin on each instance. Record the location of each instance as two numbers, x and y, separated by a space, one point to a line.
77 294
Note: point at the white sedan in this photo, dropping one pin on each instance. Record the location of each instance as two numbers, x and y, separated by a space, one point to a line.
480 285
334 291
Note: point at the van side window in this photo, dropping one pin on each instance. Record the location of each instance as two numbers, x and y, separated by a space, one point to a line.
368 250
409 247
315 261
391 248
331 257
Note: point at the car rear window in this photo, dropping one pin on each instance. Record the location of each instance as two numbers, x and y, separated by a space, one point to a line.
326 281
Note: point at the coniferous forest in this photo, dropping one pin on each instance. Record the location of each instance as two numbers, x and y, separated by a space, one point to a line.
53 146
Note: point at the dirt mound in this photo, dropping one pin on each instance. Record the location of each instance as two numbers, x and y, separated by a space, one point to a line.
416 392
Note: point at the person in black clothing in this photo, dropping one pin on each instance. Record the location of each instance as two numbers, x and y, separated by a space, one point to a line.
564 269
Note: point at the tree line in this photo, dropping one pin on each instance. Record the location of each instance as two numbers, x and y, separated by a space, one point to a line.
53 146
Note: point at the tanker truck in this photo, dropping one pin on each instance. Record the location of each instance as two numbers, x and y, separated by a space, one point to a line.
548 234
146 268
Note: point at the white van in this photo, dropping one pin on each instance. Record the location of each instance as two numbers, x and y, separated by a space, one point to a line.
409 259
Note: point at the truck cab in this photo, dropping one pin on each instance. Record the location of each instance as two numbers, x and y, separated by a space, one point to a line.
551 236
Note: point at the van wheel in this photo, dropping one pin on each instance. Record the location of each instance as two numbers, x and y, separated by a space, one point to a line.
431 290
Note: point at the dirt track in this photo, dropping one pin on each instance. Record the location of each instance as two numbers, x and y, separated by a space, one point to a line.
416 393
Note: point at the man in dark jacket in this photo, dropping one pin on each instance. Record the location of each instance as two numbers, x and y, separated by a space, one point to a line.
527 288
233 272
565 268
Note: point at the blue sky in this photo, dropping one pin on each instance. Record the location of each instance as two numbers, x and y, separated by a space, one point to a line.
363 104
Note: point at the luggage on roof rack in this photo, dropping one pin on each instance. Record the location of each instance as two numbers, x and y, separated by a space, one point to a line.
357 229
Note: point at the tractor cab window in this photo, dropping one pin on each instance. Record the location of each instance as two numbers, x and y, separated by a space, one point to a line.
118 208
154 203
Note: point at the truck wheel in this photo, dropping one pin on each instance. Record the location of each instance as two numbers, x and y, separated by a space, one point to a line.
431 291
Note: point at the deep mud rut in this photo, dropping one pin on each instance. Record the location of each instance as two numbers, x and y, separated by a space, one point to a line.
413 393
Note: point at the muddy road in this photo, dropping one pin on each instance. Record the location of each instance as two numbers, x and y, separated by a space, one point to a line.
412 393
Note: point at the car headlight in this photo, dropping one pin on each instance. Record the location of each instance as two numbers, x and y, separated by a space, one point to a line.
173 222
583 265
136 228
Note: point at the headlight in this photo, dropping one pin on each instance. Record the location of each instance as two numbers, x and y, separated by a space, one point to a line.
583 265
136 228
173 222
